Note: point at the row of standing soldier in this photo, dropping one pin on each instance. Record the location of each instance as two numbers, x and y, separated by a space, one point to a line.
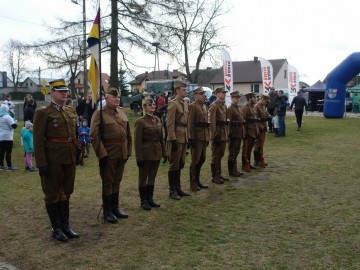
194 125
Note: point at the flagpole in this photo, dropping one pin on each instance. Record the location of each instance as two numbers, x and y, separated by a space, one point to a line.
100 83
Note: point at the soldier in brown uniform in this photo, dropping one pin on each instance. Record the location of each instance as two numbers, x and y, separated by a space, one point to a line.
236 133
252 130
263 116
55 147
111 139
218 134
176 123
149 148
198 127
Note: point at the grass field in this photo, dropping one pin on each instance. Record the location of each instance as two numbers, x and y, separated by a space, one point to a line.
301 212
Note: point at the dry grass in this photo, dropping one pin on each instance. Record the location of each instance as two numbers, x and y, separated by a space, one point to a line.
302 212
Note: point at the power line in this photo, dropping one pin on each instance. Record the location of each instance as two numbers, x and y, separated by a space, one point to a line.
18 20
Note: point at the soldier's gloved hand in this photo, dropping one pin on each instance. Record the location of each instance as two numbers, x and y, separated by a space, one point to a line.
164 159
217 140
173 146
140 163
193 143
103 162
43 171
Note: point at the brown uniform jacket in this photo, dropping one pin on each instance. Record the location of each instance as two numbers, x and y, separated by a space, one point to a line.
251 118
218 120
117 141
176 120
236 125
198 124
58 122
148 138
263 115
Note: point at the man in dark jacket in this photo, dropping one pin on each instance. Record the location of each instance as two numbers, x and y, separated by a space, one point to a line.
281 112
300 102
85 109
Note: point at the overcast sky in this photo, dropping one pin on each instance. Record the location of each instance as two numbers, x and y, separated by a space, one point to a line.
313 35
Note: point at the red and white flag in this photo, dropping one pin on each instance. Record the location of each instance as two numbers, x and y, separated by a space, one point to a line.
267 75
228 75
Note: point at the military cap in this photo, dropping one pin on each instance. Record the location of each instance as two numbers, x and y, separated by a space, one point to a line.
58 85
148 102
113 91
235 94
272 88
178 84
250 95
199 90
219 90
264 96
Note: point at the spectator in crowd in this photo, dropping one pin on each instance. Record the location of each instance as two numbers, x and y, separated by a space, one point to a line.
85 109
84 136
160 103
300 103
281 113
27 138
27 98
29 111
7 126
10 104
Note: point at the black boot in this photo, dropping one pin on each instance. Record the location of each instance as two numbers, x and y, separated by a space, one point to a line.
197 176
143 197
108 215
53 212
193 183
257 158
64 219
115 207
180 192
231 167
150 193
172 185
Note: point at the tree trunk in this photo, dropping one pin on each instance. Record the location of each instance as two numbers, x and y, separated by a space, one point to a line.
114 82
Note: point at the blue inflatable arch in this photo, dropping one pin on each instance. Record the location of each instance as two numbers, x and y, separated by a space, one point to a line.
334 104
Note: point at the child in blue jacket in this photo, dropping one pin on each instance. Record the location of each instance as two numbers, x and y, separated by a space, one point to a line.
27 138
84 135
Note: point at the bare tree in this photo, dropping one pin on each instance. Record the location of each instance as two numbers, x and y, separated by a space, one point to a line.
190 31
63 52
15 56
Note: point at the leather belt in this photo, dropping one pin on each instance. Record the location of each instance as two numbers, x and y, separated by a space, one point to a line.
112 141
181 124
202 124
151 140
62 140
221 123
251 120
236 124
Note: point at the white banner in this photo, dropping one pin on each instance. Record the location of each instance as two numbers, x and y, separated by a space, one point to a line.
267 75
228 75
293 82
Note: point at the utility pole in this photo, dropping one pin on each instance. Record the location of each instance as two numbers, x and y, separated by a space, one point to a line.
84 44
156 44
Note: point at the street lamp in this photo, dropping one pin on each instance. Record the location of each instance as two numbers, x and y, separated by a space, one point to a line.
84 43
156 44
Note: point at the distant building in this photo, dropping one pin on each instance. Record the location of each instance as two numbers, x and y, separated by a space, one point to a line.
247 75
33 84
138 84
205 76
79 82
